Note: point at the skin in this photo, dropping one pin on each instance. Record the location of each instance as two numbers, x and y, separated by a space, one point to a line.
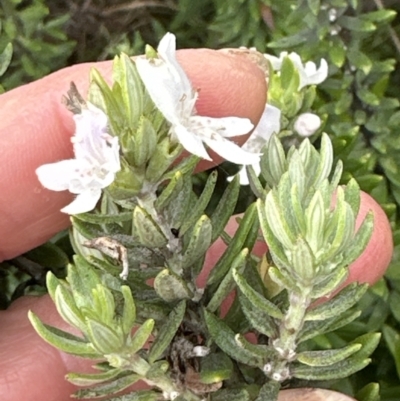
39 133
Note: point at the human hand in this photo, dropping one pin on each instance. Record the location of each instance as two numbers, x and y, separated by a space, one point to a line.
36 130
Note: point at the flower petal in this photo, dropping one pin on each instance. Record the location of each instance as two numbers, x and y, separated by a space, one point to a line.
57 176
192 143
225 126
84 202
230 151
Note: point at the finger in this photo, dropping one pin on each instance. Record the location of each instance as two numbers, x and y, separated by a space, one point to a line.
36 129
312 394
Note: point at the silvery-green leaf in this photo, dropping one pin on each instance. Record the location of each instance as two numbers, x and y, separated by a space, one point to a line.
303 262
266 351
126 75
259 301
255 183
352 195
283 279
231 395
198 209
341 302
88 230
62 340
225 208
258 319
52 282
326 161
360 241
186 166
167 332
103 304
108 388
314 328
148 230
284 188
199 242
145 142
274 246
215 367
337 175
5 58
297 210
369 342
169 193
247 225
273 161
228 283
330 282
297 174
327 357
178 208
171 287
277 221
105 339
141 335
269 391
315 221
90 379
336 371
104 218
128 317
67 309
163 157
224 337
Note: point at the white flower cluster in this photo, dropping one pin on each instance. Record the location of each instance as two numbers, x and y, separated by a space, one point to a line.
95 164
97 157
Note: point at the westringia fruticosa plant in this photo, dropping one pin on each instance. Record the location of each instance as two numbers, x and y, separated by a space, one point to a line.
141 234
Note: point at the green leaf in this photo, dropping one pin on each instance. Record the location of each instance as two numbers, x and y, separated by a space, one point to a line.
224 337
5 58
225 208
199 242
145 142
104 218
63 341
201 204
128 317
380 16
126 75
259 319
170 192
238 242
67 308
255 183
231 395
273 161
167 332
327 357
392 339
228 283
370 392
112 387
215 367
90 379
171 287
356 24
344 300
338 370
105 339
312 329
314 6
259 302
148 230
329 283
141 335
269 391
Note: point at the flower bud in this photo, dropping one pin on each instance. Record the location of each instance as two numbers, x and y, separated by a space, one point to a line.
307 124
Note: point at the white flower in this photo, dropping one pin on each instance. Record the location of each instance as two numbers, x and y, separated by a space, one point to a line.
309 74
307 124
95 164
269 124
172 93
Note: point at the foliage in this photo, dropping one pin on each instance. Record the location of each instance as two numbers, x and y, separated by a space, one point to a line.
359 104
